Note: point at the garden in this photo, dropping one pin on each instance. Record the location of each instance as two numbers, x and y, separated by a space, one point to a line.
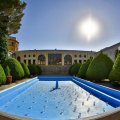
98 69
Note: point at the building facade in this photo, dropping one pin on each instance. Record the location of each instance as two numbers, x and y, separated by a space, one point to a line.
12 44
112 51
53 57
59 61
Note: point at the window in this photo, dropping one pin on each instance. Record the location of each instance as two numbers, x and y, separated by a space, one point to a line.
24 55
29 55
29 61
54 59
12 43
41 59
75 61
84 60
84 56
75 56
33 61
18 58
25 61
80 61
33 55
80 56
68 60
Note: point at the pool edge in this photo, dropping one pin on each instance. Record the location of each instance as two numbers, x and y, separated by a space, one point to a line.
111 115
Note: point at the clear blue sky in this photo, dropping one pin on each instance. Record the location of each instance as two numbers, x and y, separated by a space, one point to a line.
50 24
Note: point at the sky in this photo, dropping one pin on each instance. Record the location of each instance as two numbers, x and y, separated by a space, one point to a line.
52 24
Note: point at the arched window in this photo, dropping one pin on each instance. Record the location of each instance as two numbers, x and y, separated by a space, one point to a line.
18 58
41 59
68 60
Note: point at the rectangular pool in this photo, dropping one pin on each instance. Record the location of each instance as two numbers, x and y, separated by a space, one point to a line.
41 101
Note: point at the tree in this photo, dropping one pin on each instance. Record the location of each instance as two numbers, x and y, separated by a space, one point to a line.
3 47
2 76
26 70
15 67
99 68
73 70
11 13
115 72
83 69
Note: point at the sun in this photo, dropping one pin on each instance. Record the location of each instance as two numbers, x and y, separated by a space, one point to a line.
89 28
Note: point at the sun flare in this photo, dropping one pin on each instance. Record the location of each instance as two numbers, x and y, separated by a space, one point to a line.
89 28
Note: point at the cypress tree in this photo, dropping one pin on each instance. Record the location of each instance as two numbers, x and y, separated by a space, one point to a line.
83 69
115 72
99 68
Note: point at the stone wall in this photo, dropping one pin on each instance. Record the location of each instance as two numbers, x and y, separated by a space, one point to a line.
55 70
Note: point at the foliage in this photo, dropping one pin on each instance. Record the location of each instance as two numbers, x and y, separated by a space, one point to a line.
115 72
99 68
11 13
2 76
70 70
16 69
3 47
39 70
74 69
26 70
34 69
7 71
83 69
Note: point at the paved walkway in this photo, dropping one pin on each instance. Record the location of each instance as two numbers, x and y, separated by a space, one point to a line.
2 87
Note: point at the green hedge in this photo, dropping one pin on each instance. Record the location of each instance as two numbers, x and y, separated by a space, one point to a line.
39 70
99 68
34 69
73 70
115 72
26 70
7 71
83 69
2 76
15 67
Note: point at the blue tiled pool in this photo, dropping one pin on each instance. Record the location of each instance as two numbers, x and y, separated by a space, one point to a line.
37 99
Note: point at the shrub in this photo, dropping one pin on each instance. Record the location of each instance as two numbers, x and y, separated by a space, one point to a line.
3 45
2 76
115 72
74 69
83 69
7 71
39 70
99 68
33 69
26 70
69 71
15 67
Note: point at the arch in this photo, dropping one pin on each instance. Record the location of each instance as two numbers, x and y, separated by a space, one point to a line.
19 58
41 59
68 60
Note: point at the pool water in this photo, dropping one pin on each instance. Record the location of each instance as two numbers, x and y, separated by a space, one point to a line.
69 101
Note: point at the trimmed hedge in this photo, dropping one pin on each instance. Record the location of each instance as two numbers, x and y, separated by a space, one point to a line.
7 71
83 69
69 71
99 68
2 76
34 69
115 72
73 70
39 70
15 67
26 70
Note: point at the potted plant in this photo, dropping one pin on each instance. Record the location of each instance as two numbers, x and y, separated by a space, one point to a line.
8 75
